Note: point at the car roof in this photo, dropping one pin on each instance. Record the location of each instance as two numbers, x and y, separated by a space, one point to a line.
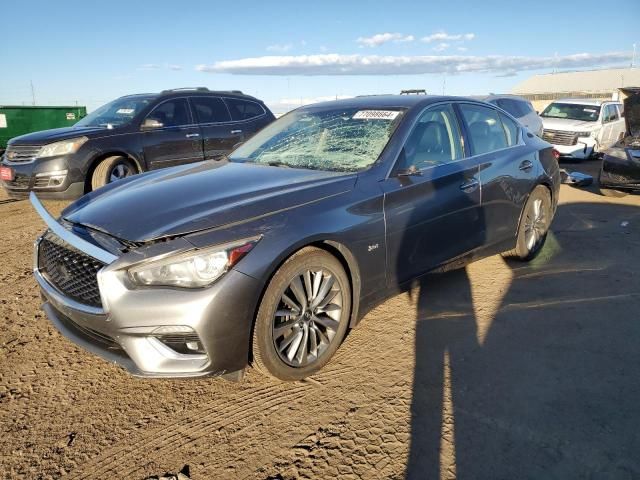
584 101
387 101
181 92
497 96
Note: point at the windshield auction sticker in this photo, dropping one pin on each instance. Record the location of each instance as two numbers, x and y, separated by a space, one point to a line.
376 115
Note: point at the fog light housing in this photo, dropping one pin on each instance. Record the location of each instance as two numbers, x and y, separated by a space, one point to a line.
180 339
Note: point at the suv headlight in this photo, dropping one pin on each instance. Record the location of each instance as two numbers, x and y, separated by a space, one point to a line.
586 133
62 148
194 269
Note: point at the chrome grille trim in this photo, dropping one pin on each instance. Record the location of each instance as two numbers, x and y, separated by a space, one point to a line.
559 137
19 154
73 240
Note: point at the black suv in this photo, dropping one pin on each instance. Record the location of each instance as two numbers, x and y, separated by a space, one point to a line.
132 134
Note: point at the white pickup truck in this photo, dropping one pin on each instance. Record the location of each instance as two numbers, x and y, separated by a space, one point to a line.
579 129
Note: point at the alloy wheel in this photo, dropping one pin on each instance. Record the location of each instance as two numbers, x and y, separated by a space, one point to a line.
307 317
120 171
535 226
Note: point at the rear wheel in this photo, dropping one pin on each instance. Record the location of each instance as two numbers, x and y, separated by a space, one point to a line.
112 169
303 316
534 225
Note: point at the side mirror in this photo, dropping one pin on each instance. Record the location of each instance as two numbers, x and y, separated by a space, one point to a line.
151 124
409 172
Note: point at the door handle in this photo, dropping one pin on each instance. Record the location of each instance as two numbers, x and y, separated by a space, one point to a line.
526 166
233 132
192 135
470 185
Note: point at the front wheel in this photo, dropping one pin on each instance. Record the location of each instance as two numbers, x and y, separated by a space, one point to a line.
534 225
110 170
303 316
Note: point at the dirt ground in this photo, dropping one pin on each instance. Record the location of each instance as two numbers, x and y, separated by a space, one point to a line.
500 370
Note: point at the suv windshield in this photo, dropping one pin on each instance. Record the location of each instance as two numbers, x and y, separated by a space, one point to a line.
116 113
572 111
337 139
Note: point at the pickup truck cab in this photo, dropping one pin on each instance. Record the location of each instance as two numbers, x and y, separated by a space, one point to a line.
581 128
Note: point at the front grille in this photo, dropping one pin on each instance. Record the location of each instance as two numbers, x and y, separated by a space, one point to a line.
69 270
559 137
21 153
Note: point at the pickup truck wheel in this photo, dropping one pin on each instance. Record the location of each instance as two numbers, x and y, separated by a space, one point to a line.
303 316
534 225
112 169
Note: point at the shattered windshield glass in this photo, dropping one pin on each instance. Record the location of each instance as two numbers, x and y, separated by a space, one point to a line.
337 139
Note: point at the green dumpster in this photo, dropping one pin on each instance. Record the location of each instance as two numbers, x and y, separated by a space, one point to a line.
18 120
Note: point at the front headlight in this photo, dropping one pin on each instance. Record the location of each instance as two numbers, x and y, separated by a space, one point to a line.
194 269
62 148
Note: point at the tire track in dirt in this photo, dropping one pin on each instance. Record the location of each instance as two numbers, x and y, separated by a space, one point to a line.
196 425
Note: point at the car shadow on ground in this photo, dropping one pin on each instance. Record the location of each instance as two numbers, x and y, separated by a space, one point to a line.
533 375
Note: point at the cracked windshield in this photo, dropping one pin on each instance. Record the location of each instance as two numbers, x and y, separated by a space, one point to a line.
344 140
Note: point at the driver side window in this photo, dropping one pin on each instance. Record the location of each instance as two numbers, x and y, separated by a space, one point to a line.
434 140
172 113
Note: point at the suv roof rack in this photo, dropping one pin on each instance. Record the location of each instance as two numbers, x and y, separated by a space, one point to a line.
182 89
200 89
415 91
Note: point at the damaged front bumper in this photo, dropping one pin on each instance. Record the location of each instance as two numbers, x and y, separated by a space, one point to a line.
151 332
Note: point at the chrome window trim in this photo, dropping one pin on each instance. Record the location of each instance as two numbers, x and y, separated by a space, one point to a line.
67 236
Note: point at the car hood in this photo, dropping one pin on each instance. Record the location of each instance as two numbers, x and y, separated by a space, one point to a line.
567 125
632 110
54 135
181 200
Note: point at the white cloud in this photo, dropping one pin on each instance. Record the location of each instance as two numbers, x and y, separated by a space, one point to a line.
150 66
285 104
462 49
446 37
382 38
336 64
280 48
441 47
157 66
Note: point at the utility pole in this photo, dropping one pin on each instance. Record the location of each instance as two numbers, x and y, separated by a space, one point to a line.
633 56
33 94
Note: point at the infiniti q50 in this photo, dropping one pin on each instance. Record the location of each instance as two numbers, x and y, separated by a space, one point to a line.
266 257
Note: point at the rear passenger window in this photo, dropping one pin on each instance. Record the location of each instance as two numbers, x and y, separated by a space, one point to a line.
243 109
510 130
435 140
210 110
485 128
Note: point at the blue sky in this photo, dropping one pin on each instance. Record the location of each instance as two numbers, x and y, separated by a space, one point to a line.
290 52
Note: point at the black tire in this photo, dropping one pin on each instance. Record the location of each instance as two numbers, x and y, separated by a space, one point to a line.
525 249
276 335
106 170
